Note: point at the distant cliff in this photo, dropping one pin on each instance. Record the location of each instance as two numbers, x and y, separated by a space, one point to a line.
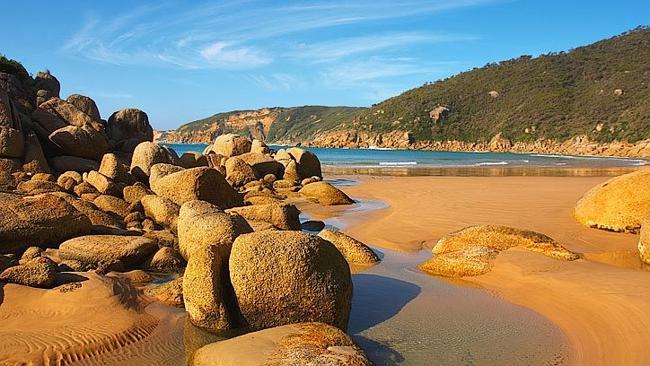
276 124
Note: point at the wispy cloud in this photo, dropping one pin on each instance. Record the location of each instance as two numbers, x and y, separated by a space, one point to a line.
243 34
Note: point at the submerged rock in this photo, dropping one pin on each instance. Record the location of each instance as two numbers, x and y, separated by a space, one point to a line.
283 277
619 204
294 344
470 251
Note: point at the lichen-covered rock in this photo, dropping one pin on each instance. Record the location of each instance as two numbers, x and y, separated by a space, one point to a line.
618 204
161 210
354 251
201 224
293 344
202 183
230 145
284 277
281 215
326 194
307 163
145 155
35 221
238 173
29 254
129 127
131 251
470 251
38 272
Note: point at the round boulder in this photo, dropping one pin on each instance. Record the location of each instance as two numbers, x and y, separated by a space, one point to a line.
201 183
128 127
231 145
619 204
284 277
354 251
326 194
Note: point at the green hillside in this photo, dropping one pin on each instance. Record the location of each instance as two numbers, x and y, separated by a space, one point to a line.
558 95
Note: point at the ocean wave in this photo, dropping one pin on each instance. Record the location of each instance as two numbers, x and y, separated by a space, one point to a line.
397 163
488 163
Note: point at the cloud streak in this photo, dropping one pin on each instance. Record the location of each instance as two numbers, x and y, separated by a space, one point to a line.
245 34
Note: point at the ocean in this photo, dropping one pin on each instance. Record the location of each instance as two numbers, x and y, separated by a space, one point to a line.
391 159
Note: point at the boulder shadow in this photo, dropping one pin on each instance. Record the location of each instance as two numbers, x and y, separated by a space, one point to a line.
376 299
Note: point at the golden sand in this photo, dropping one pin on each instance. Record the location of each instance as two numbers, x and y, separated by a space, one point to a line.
600 302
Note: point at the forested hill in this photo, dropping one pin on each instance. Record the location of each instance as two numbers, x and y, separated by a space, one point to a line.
600 90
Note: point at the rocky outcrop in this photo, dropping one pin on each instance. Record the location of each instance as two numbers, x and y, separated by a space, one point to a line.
283 277
127 128
145 155
470 251
618 204
294 344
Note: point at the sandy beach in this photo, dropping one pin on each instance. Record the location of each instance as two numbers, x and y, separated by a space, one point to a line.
599 302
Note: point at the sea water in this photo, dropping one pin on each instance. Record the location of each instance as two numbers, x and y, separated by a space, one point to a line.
391 159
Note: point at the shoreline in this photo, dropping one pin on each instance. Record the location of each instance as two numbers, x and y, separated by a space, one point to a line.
599 301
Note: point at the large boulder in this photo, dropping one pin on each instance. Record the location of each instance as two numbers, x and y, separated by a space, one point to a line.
34 160
354 251
65 163
202 224
112 204
145 155
619 204
470 251
86 105
38 220
201 183
161 210
284 277
166 259
193 160
162 169
69 113
258 146
308 164
129 127
208 297
238 173
325 194
262 164
131 251
37 272
281 215
102 183
231 144
84 142
293 344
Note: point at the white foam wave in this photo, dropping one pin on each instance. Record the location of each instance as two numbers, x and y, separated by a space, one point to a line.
397 163
488 163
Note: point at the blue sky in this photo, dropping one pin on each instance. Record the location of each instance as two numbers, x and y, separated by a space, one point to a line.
181 61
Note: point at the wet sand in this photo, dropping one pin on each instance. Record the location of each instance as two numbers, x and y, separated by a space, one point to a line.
600 302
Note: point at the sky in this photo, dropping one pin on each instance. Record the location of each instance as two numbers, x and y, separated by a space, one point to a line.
181 61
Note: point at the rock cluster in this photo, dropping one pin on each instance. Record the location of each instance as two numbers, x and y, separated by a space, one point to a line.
101 196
